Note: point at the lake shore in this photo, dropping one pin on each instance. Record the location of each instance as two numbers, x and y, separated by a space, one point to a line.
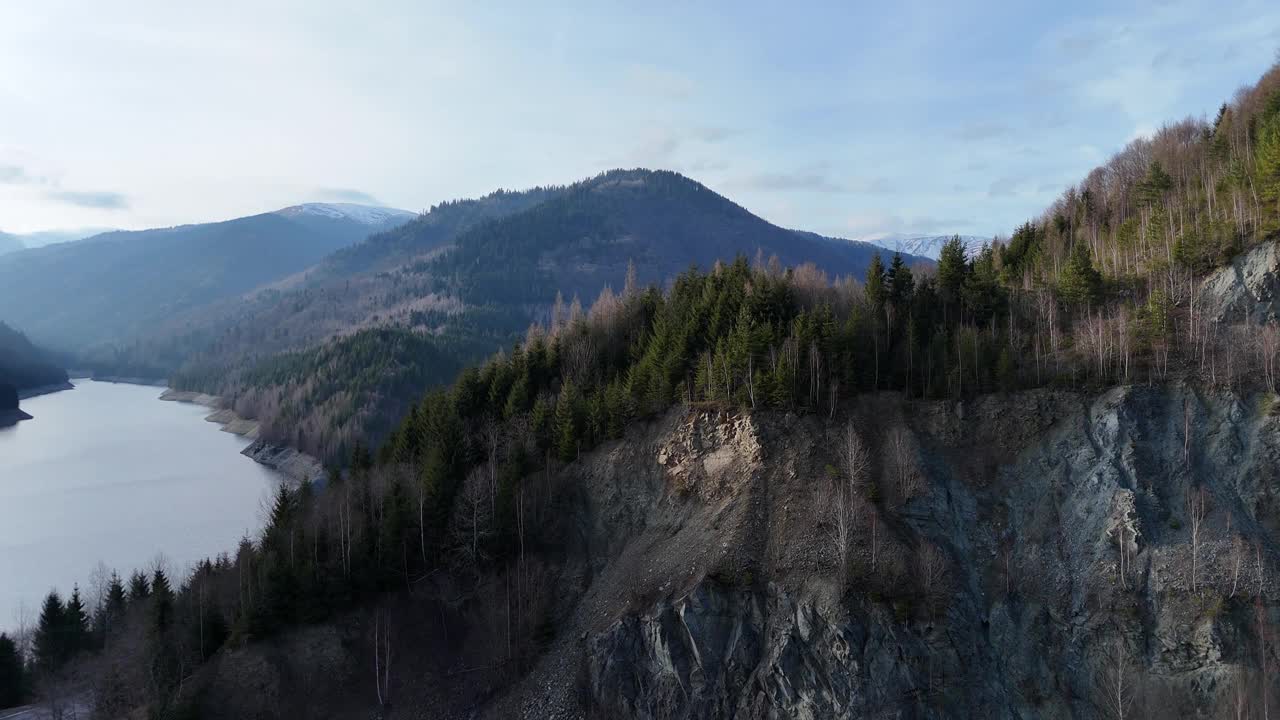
28 393
293 464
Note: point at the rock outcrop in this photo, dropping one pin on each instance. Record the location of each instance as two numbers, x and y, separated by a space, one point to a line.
1246 290
1053 546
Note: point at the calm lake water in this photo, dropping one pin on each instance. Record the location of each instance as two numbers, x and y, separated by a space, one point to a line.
107 472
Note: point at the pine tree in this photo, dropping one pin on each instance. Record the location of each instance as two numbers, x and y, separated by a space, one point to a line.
13 680
874 287
49 642
114 607
139 588
75 624
951 271
1081 283
1268 160
901 282
566 424
161 601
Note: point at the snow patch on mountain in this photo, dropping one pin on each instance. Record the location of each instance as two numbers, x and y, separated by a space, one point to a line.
929 246
366 214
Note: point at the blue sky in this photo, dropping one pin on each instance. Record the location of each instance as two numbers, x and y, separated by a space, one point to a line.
850 119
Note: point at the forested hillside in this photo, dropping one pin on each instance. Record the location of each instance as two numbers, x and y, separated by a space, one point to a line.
98 296
477 291
710 469
23 365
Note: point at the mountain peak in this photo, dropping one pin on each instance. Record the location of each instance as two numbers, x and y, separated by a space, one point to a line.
372 215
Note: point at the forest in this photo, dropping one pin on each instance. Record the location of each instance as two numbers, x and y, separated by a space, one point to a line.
1098 291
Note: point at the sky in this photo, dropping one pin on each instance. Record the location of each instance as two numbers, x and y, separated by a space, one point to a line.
847 118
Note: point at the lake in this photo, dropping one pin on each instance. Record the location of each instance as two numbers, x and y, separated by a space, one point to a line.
108 472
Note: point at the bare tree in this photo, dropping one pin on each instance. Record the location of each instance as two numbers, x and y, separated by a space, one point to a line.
382 656
1197 508
1116 681
905 472
855 460
931 566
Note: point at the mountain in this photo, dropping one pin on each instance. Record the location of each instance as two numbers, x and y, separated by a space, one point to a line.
473 275
113 287
10 242
25 366
928 245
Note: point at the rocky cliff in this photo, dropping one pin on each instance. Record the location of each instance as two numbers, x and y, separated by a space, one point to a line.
1040 555
1043 554
1246 290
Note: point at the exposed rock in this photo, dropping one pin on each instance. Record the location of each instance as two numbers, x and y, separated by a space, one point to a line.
291 463
713 590
1247 289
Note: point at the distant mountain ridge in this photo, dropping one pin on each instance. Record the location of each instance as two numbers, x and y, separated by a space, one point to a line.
115 286
371 215
929 246
472 275
10 242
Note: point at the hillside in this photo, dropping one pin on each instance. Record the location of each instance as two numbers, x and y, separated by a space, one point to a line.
746 495
474 275
114 287
24 366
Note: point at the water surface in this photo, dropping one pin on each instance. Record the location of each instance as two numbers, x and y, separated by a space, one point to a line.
108 472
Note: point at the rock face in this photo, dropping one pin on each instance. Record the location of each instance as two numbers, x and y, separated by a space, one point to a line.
291 463
1046 552
1247 289
1030 554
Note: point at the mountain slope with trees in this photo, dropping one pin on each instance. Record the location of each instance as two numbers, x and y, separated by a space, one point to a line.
476 292
1034 481
25 366
113 288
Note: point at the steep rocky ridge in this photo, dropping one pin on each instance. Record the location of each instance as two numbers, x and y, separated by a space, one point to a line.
691 570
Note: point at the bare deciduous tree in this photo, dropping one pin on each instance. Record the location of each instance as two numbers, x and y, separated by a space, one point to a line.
1116 681
1197 509
931 566
382 656
906 473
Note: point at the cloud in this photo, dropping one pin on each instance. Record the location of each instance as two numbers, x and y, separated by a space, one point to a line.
809 180
877 225
1005 187
986 130
18 175
346 195
712 134
653 80
662 147
98 200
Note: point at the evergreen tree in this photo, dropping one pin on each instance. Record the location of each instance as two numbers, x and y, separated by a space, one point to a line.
875 286
13 680
75 624
1081 283
49 643
951 271
139 588
566 430
901 283
161 601
115 602
1157 183
1268 159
